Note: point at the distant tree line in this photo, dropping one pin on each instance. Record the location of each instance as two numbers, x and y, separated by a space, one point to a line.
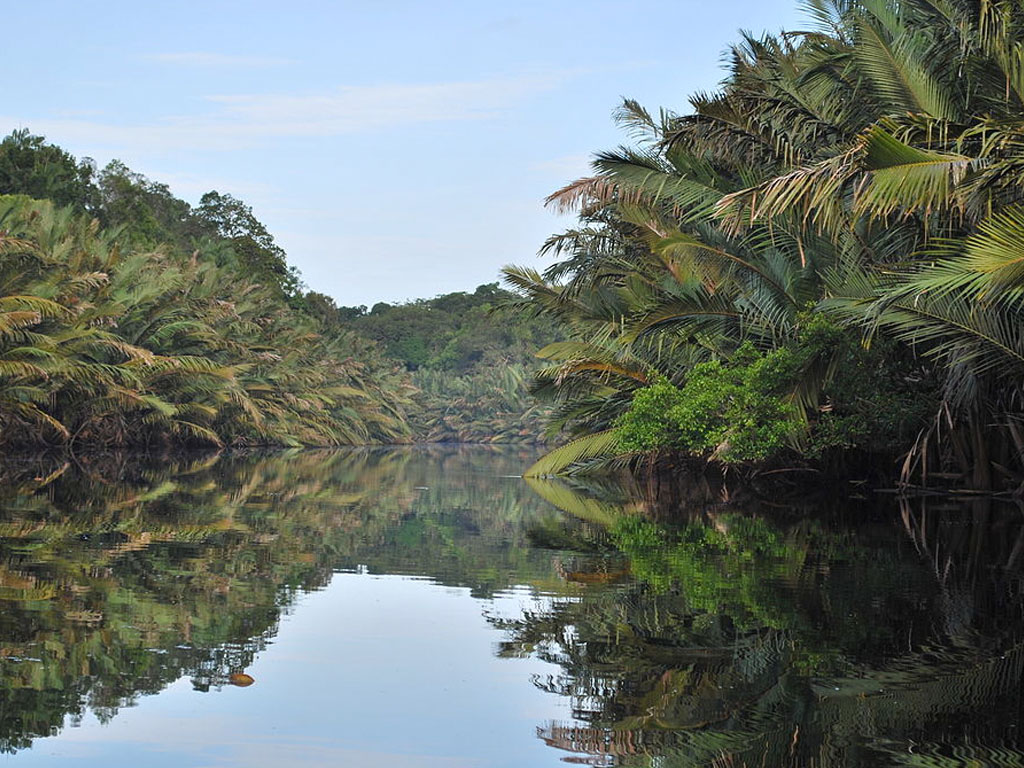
471 359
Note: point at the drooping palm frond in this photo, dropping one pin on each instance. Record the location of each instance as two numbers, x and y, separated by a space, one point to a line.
104 346
600 444
897 59
863 177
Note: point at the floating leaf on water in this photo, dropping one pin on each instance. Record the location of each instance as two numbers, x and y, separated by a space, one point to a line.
597 577
241 679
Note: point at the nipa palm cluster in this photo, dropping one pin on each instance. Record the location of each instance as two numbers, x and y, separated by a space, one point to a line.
106 347
847 205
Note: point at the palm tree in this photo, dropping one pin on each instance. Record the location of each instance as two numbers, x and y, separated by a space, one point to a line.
940 163
865 172
104 346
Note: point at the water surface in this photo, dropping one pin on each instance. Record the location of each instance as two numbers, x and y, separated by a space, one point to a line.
427 607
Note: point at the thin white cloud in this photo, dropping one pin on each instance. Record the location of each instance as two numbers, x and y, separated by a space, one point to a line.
353 108
247 120
207 60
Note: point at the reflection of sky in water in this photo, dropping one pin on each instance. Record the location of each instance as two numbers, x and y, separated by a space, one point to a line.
675 645
372 671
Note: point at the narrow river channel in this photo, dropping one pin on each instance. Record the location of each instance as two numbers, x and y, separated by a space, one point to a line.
427 607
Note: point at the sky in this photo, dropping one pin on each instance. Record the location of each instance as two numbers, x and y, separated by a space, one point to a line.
396 150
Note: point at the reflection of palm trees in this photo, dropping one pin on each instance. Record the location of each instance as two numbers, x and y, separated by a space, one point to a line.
119 577
604 746
856 646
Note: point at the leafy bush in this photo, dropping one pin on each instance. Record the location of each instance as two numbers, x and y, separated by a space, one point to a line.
873 399
877 398
733 411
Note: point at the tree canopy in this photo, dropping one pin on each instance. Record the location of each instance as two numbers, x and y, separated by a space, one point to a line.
849 198
128 317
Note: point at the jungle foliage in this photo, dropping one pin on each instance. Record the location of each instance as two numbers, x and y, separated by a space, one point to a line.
212 338
127 317
849 200
471 360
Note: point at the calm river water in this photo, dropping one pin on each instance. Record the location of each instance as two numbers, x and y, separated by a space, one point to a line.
429 608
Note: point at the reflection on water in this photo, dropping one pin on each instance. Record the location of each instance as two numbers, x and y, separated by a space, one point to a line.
427 607
756 635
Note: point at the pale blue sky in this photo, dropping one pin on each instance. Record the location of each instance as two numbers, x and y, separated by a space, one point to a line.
395 149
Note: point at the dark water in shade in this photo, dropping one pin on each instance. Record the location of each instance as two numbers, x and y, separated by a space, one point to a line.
427 608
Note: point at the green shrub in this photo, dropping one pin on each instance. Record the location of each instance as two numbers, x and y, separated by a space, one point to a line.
877 399
734 411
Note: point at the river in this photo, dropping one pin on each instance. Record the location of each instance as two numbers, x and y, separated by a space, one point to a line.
427 607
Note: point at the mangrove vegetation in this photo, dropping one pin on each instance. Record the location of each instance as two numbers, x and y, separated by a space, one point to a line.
131 318
816 267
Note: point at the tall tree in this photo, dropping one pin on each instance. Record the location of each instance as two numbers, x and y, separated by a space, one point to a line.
261 257
30 166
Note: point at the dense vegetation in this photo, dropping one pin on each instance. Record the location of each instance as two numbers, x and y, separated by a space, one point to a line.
819 265
128 317
471 360
816 267
190 326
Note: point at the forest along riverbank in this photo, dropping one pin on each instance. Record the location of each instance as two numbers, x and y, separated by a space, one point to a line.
130 318
215 605
814 267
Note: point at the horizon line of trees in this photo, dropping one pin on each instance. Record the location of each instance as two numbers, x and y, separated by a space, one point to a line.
132 318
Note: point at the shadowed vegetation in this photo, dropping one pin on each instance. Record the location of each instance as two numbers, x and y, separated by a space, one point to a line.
739 634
